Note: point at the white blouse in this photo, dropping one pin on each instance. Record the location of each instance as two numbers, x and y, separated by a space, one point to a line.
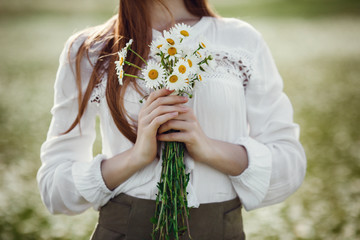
241 102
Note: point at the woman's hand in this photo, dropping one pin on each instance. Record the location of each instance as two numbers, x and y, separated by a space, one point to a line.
226 157
159 108
188 132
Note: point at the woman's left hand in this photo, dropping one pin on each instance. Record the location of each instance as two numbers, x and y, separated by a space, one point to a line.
226 157
188 131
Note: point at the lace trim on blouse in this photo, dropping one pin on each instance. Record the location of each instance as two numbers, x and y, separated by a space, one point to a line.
98 92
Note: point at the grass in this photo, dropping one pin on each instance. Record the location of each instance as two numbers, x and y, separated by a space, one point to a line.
315 45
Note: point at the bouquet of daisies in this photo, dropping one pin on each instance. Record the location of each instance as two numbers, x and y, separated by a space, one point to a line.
177 64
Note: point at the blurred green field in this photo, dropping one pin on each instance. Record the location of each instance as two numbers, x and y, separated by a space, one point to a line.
316 45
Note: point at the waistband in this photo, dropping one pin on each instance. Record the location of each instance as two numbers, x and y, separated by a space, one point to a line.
129 217
135 201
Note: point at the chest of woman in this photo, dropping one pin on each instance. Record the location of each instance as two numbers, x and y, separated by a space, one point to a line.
218 102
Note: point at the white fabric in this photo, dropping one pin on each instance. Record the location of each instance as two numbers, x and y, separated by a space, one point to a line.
240 102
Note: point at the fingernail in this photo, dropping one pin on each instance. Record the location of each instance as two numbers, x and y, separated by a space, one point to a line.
184 98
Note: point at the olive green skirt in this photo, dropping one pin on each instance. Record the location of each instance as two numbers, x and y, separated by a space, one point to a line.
126 217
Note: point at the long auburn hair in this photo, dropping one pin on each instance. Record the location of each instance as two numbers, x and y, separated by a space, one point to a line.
131 22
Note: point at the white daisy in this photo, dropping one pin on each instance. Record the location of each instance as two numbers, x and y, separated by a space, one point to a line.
199 81
172 38
189 84
201 54
120 73
203 43
200 78
128 44
193 62
182 29
182 68
157 45
120 64
123 52
172 51
122 56
176 82
154 74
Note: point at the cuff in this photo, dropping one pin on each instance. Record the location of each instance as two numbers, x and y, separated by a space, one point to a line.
253 184
90 183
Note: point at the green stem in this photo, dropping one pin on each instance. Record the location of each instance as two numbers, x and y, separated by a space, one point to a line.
134 76
163 200
196 50
133 65
138 56
172 212
176 230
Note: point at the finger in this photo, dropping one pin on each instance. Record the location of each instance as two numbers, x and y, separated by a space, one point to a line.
186 116
159 120
165 100
156 94
174 124
174 137
163 110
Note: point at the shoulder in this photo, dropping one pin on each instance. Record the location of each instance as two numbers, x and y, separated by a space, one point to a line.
79 45
234 33
235 45
234 24
83 41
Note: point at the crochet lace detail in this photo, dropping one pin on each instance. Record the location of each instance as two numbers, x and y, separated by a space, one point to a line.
98 92
235 62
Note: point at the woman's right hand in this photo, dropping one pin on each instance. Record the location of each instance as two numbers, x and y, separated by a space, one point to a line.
159 108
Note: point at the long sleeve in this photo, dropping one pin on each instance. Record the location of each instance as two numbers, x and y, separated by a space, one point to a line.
277 162
70 178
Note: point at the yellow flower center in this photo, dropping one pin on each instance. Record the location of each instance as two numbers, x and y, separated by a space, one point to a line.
187 81
170 41
184 33
203 45
172 51
182 69
200 78
199 54
159 46
153 74
190 62
173 79
121 61
121 74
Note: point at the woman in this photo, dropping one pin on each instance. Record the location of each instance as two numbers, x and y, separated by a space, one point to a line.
242 145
